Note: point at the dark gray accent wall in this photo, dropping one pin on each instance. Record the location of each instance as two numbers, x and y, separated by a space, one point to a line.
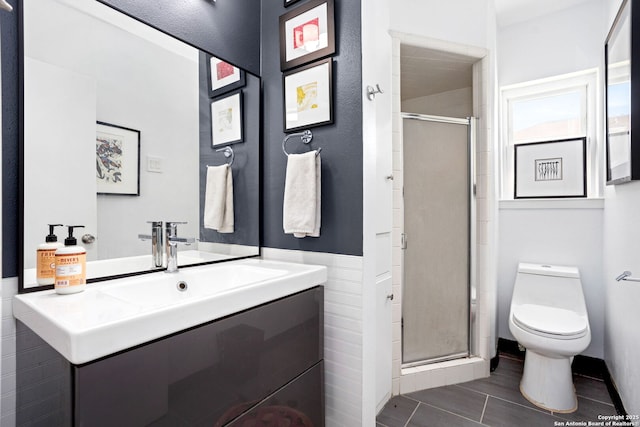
10 130
228 29
341 142
246 166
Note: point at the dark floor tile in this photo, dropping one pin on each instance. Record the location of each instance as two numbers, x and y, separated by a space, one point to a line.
510 366
502 413
592 389
428 416
503 383
588 410
459 400
397 411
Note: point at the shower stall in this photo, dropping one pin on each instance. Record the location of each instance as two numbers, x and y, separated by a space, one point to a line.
438 241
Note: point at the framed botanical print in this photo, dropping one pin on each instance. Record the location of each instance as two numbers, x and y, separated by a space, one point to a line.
117 160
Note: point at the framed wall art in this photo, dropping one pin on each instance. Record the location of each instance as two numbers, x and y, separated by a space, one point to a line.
117 160
622 127
551 169
223 77
308 96
227 119
288 3
307 33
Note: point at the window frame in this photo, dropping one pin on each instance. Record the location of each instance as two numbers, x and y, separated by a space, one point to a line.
587 80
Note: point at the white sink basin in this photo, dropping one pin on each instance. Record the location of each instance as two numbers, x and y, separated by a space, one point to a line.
175 288
115 315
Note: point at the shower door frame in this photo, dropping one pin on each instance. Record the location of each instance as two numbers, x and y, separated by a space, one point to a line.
472 350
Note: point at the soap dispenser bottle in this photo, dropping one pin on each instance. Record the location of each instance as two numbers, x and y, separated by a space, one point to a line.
45 258
71 265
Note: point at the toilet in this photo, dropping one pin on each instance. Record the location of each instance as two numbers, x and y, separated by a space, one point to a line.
548 317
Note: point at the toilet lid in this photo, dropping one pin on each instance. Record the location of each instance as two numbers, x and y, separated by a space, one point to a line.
550 320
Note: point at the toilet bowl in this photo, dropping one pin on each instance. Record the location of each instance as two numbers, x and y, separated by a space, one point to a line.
548 317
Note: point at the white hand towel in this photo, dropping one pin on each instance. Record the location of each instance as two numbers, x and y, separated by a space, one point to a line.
218 199
301 208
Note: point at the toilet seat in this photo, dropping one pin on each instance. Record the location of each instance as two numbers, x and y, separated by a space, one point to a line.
550 322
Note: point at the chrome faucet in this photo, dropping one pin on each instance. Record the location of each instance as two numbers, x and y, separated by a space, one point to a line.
172 240
156 242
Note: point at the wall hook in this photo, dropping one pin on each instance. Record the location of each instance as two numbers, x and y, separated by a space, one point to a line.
5 6
371 91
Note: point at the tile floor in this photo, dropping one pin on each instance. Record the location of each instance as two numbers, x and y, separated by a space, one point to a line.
494 401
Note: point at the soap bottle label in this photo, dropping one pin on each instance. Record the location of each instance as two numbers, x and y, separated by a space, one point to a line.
70 270
46 263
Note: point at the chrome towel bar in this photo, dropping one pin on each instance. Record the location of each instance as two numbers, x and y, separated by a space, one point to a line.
305 137
228 152
626 276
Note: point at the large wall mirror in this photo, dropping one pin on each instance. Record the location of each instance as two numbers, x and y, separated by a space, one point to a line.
96 78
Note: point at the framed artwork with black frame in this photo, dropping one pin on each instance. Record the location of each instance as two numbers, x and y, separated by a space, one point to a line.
117 160
227 119
223 77
551 169
308 96
288 3
622 96
307 33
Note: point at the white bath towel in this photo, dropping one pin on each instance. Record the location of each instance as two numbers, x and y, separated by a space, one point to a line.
218 199
301 209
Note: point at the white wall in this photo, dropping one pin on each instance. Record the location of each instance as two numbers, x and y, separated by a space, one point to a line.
622 317
141 85
621 249
377 209
568 41
452 103
461 21
563 42
570 236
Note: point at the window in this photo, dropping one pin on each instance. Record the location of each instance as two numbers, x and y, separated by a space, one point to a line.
543 110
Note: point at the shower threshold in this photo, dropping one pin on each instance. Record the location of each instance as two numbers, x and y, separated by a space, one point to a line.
447 358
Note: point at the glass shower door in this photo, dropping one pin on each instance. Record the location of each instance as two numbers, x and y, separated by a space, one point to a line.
435 306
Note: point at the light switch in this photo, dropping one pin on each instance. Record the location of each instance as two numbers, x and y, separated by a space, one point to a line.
154 164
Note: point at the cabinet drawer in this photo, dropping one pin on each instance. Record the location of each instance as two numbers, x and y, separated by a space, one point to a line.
298 404
194 377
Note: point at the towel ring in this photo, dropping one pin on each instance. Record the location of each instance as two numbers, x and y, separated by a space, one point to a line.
305 137
228 152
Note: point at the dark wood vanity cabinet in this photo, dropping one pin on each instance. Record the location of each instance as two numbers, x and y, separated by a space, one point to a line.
260 367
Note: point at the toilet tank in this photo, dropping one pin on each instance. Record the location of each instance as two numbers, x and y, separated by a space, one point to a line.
550 285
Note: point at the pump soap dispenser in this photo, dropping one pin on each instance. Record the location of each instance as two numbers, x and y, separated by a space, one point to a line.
71 265
45 258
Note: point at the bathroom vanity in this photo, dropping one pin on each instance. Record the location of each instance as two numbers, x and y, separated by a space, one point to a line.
241 345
